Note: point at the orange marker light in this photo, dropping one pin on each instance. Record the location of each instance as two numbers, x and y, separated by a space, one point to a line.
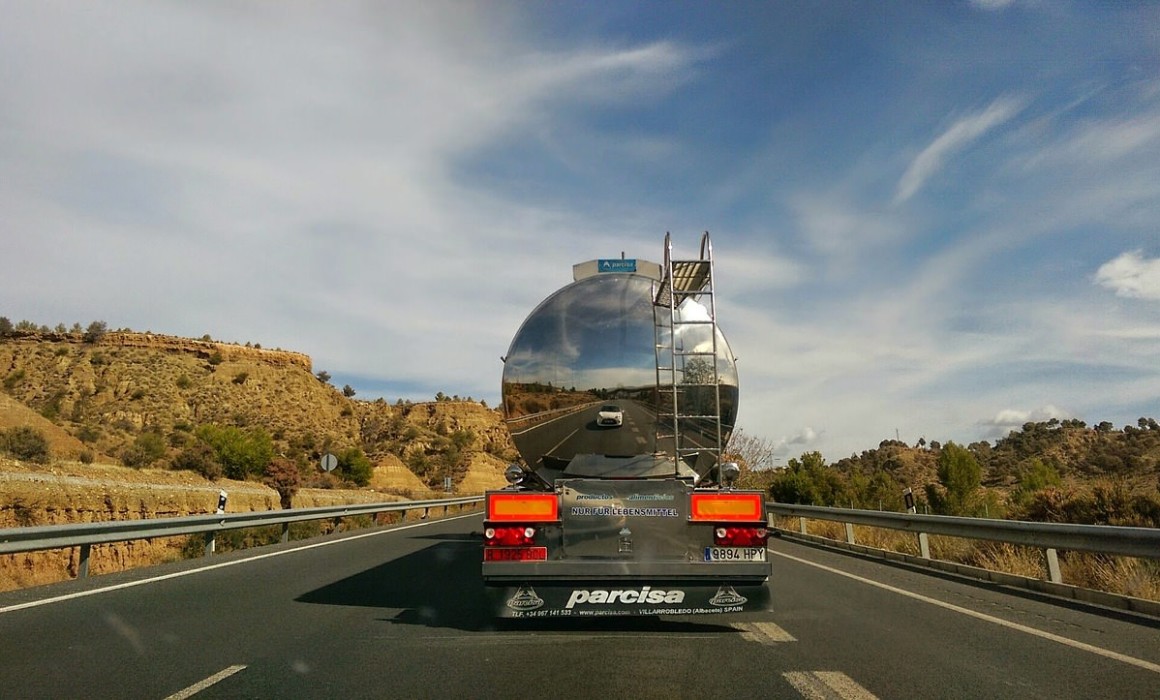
726 507
523 507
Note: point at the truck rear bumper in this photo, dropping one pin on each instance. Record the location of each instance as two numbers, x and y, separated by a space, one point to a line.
610 569
603 598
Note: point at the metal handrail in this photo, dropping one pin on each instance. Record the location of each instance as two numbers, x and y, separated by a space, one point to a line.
1051 537
41 537
1109 539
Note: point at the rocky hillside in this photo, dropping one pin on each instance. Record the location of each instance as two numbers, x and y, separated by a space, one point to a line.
95 397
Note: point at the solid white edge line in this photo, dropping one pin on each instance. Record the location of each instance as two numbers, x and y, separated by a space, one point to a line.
221 565
203 684
1082 646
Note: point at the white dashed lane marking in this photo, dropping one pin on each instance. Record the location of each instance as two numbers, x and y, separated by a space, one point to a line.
827 685
203 684
763 632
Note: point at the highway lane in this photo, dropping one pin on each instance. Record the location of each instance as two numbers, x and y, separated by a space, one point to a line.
577 433
398 613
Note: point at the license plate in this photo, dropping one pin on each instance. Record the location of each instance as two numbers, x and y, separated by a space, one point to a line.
735 554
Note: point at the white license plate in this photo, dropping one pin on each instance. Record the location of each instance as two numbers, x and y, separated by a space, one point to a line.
735 554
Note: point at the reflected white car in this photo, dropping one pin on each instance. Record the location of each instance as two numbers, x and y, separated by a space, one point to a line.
610 414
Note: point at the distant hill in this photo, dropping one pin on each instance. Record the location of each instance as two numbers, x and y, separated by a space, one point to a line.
1058 471
1071 449
94 394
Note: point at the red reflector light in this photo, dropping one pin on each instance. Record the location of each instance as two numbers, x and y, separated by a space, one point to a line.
515 554
719 507
740 536
523 507
509 536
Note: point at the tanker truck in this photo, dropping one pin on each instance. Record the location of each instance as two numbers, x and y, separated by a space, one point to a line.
620 392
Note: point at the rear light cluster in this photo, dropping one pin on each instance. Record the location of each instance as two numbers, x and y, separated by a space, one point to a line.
509 533
739 518
512 543
509 536
740 536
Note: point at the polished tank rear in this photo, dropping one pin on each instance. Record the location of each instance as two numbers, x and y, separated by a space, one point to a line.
590 349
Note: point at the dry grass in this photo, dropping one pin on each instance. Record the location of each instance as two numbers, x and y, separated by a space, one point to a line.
1139 578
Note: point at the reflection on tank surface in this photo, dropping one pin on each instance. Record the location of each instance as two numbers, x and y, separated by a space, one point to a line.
593 343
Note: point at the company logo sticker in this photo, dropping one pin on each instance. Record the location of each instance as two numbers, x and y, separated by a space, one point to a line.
525 599
727 597
628 265
644 596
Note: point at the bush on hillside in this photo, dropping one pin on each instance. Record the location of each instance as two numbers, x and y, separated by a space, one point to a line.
283 476
25 442
200 458
354 466
145 450
241 453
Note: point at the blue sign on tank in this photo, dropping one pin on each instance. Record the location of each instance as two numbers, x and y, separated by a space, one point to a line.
616 265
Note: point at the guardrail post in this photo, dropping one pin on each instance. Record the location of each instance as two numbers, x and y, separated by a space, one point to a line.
849 533
1053 566
83 564
285 533
802 526
923 545
210 543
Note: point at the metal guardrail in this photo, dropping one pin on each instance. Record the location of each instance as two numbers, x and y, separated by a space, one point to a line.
85 535
1051 537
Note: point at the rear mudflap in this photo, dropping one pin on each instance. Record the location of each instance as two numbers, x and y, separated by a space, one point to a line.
625 598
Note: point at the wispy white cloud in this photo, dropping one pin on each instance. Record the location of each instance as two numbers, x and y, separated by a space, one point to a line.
797 443
955 138
992 5
1131 275
1010 419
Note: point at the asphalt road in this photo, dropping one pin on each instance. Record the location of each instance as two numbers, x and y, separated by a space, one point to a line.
577 433
399 613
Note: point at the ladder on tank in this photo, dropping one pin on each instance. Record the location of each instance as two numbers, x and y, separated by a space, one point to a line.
687 378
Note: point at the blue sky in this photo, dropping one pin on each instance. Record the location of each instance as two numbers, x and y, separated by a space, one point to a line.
934 220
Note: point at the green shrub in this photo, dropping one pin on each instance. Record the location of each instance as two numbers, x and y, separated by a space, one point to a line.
145 450
88 433
13 379
354 466
242 453
95 332
25 442
200 458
